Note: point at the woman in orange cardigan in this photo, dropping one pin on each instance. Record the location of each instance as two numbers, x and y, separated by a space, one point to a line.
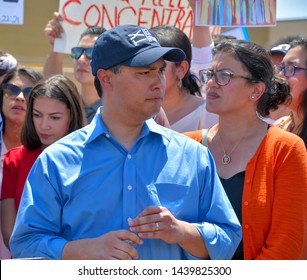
262 168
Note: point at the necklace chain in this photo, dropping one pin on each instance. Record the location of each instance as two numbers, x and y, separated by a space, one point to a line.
226 157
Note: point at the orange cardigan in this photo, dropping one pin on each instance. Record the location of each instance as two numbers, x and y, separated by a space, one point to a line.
274 201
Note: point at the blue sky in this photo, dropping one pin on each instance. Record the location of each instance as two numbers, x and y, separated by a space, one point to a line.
291 10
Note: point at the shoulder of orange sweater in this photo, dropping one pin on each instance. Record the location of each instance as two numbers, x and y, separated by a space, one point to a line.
288 138
196 135
288 151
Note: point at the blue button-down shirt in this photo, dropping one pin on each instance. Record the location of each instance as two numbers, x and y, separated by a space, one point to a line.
88 184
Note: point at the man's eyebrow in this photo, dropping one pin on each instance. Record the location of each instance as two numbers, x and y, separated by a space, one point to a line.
154 67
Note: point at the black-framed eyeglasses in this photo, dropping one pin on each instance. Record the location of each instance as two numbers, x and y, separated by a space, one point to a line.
76 52
288 70
221 77
12 91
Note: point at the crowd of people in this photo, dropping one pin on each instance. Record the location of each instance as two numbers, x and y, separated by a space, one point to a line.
171 150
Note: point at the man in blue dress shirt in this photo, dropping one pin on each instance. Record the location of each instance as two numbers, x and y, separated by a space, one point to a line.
124 187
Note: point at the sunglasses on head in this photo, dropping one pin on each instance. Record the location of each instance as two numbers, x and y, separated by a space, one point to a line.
13 91
76 52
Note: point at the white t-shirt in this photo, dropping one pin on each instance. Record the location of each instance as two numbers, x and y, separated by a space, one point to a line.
198 119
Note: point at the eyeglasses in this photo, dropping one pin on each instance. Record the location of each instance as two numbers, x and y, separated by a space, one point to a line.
12 91
288 70
222 77
76 52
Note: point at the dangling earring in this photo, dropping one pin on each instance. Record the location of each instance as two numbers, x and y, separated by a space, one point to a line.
180 83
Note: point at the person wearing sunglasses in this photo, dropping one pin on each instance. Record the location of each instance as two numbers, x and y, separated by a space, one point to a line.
294 69
54 110
263 168
15 87
14 90
81 55
7 63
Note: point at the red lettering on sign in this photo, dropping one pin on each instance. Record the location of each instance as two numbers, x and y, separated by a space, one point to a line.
140 21
127 1
105 17
88 11
156 20
64 13
155 3
187 26
179 18
154 13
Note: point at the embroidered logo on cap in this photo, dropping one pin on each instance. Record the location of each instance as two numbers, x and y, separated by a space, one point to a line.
140 36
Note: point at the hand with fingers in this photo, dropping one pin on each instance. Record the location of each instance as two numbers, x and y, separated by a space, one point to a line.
159 223
54 28
114 245
156 222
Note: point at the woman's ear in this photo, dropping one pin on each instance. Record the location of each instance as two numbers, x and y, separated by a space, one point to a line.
182 69
257 92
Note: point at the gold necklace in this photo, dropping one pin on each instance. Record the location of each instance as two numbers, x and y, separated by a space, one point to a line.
226 157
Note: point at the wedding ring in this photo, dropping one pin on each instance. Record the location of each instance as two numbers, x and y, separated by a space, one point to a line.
157 226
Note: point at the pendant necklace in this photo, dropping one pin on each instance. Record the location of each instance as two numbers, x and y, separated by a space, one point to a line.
226 157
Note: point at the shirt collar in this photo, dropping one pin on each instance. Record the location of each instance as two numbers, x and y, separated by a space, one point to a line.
97 128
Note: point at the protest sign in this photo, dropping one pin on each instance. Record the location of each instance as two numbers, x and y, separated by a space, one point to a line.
236 13
11 12
80 14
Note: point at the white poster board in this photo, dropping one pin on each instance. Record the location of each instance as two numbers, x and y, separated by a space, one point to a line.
11 12
78 15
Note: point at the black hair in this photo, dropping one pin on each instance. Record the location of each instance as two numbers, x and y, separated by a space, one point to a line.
218 38
283 40
56 87
257 62
93 31
98 86
171 36
302 108
24 71
115 69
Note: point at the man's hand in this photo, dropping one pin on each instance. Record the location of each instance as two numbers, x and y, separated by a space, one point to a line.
157 222
114 245
54 28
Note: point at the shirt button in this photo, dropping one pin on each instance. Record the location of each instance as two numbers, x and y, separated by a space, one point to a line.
129 188
108 135
129 156
245 203
246 226
248 181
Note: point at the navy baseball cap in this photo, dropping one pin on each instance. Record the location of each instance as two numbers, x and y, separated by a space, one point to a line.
130 45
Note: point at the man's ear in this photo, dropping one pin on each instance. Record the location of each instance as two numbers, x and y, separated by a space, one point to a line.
104 78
